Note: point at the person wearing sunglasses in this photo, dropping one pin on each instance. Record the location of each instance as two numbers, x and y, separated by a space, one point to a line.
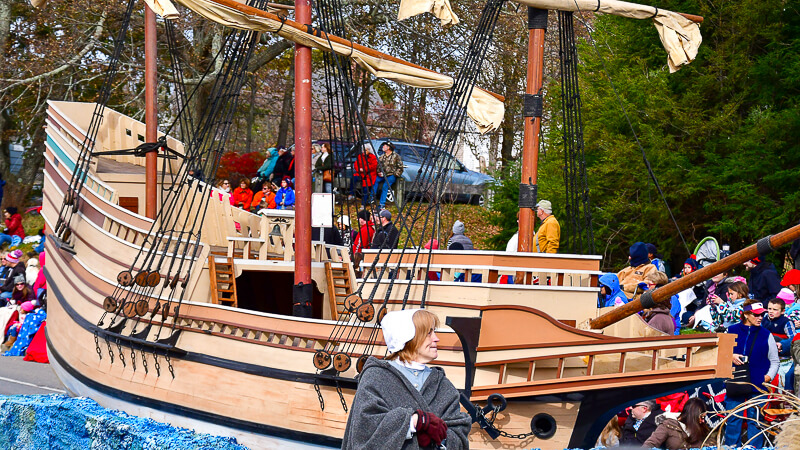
640 424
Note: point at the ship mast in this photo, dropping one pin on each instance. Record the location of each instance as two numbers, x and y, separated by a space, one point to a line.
150 111
537 25
302 291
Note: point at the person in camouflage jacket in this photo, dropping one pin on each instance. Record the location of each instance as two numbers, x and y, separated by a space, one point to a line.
389 170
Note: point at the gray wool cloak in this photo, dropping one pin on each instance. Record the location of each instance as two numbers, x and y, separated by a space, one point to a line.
386 400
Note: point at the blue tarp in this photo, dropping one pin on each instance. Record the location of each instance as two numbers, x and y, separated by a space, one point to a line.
33 422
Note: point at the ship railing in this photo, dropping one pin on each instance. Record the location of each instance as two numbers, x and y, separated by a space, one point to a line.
558 367
485 267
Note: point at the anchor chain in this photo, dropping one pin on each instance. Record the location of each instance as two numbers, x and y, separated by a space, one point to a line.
490 423
169 365
341 396
97 346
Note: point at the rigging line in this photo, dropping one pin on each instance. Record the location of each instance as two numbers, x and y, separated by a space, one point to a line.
630 125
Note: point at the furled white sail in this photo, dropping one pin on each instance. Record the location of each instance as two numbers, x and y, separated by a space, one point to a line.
680 36
439 8
485 109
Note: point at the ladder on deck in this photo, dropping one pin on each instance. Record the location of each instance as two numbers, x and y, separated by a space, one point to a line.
223 281
339 287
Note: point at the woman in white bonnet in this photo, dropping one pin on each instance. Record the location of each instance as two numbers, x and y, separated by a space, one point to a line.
400 401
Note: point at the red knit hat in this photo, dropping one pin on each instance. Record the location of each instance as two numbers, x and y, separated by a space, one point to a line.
791 277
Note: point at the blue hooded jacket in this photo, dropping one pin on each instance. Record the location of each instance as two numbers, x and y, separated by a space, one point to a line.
268 167
611 281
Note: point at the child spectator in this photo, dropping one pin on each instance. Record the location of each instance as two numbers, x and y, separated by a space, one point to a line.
242 195
780 326
652 253
28 326
284 198
663 313
726 312
14 233
610 292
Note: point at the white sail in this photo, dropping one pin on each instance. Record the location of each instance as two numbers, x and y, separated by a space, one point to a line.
484 108
439 8
680 36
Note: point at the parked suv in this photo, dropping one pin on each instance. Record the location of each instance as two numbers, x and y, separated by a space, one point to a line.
462 184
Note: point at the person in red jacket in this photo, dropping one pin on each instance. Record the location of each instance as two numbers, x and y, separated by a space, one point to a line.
362 239
365 171
14 233
242 195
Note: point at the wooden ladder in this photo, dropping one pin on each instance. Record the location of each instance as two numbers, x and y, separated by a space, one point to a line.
223 281
338 287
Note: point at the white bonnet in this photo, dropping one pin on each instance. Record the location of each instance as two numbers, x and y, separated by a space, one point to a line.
398 328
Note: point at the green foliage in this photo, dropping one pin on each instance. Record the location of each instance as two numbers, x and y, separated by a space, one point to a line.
504 206
719 134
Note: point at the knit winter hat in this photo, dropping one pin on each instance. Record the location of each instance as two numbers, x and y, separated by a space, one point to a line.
13 257
398 328
432 243
692 262
638 254
786 295
27 306
458 227
19 279
651 249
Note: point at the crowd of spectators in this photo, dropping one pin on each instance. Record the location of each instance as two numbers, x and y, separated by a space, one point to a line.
762 310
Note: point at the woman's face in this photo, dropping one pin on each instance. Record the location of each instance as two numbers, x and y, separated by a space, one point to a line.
753 320
428 351
226 184
242 185
19 286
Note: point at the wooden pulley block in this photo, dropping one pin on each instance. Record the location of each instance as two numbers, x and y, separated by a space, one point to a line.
141 278
341 362
165 311
110 304
381 314
322 359
365 312
69 198
352 301
129 310
153 278
360 362
174 282
125 278
66 235
142 306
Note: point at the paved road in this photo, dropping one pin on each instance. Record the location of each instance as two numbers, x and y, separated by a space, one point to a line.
18 377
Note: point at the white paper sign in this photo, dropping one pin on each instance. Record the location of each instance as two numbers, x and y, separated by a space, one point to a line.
322 210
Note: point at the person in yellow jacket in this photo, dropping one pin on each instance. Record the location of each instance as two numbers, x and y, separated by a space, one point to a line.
638 269
549 234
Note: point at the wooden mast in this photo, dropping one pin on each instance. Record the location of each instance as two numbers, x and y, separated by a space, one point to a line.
537 25
302 291
151 113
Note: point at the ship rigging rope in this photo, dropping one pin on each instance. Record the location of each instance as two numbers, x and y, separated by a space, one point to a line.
431 181
174 238
70 204
579 235
583 22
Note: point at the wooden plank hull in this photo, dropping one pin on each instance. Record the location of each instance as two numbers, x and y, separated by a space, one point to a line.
249 374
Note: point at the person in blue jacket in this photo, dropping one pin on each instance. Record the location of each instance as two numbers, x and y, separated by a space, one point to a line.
610 292
268 167
756 346
284 198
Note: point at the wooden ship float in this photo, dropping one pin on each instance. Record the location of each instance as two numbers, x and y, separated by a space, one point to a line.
202 330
